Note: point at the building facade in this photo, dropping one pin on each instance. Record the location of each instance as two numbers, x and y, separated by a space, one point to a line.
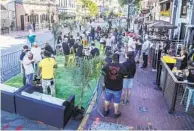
183 17
67 6
39 12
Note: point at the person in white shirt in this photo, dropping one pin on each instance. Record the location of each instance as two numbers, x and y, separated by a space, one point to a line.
145 51
131 45
36 51
28 66
102 43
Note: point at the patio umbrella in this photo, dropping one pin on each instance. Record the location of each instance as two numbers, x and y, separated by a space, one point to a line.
162 25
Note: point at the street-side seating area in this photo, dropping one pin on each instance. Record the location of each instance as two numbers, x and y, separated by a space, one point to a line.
8 97
30 102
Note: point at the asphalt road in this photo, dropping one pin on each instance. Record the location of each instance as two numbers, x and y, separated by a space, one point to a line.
40 38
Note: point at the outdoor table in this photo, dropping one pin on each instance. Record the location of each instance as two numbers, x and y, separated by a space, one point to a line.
172 88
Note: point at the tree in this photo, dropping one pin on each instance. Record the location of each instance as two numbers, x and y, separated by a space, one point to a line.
91 6
63 16
123 2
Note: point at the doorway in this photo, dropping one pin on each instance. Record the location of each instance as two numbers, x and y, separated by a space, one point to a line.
22 22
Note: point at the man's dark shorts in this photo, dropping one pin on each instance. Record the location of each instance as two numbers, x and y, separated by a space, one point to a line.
116 95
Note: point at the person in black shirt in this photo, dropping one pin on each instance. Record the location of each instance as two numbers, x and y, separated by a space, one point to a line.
114 74
59 39
167 44
108 59
66 51
183 58
130 66
25 50
71 41
79 54
49 49
94 51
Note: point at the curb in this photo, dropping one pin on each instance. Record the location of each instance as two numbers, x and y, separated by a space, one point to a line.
89 110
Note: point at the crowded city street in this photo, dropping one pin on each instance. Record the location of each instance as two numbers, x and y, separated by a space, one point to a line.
97 65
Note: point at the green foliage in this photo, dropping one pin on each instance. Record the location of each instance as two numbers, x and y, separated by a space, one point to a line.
15 81
63 16
123 2
85 73
91 6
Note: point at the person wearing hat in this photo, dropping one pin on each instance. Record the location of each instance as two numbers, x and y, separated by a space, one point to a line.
28 67
36 51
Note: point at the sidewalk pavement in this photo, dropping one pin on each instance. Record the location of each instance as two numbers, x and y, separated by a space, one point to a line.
20 34
147 110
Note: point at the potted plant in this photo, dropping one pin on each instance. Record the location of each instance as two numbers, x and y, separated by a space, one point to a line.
88 70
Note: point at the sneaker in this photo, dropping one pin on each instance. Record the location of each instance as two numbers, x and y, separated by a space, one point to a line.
122 102
105 113
117 115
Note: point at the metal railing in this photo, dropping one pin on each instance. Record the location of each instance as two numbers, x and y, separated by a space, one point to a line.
10 64
173 90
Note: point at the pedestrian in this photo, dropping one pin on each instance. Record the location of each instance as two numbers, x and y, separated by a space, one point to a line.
36 51
59 39
28 66
66 51
145 51
130 67
79 53
94 50
108 59
31 38
22 55
49 49
114 74
29 27
138 50
108 43
183 58
47 66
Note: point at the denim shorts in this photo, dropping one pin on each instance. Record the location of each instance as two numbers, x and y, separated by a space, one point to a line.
116 95
128 83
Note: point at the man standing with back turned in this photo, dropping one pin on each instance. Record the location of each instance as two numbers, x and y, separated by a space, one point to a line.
46 67
114 73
